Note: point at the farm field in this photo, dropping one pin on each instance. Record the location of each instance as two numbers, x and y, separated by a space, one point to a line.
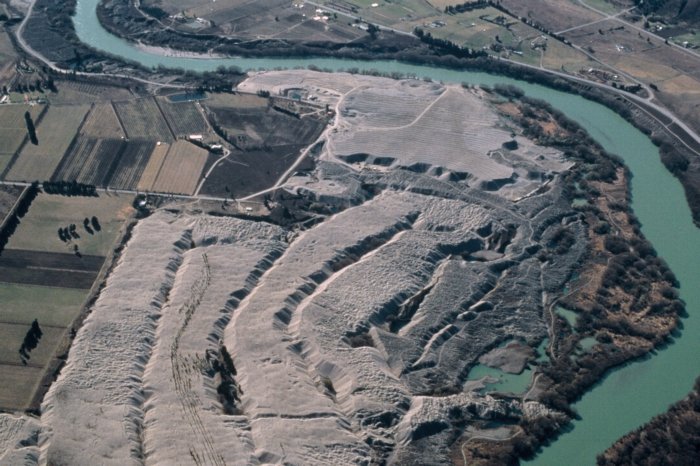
13 129
111 163
18 385
247 172
132 161
395 14
72 92
482 28
65 270
142 119
50 305
13 334
237 100
38 230
281 19
102 122
55 132
675 73
89 160
269 140
181 169
155 162
43 279
21 374
7 56
254 127
183 117
554 14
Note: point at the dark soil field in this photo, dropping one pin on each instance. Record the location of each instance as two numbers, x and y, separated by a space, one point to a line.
48 277
184 118
105 162
142 119
80 92
255 128
244 173
268 136
24 259
126 171
88 160
49 269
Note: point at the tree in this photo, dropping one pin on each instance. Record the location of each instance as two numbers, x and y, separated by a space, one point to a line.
31 340
372 30
30 128
86 225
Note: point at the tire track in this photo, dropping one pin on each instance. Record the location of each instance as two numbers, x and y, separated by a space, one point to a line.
182 369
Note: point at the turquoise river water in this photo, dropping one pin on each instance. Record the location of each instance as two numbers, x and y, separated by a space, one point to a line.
628 396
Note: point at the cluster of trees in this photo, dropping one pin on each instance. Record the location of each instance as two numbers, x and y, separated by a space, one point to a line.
220 131
575 142
68 233
69 188
286 111
38 85
448 46
632 267
650 6
92 225
675 161
31 340
631 88
14 217
466 6
154 11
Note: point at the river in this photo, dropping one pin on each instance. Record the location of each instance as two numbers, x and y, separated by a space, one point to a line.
629 396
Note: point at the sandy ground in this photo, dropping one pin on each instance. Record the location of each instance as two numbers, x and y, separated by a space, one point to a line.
443 130
350 341
168 52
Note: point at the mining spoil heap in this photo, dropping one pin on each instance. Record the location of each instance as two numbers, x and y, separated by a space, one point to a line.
220 340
